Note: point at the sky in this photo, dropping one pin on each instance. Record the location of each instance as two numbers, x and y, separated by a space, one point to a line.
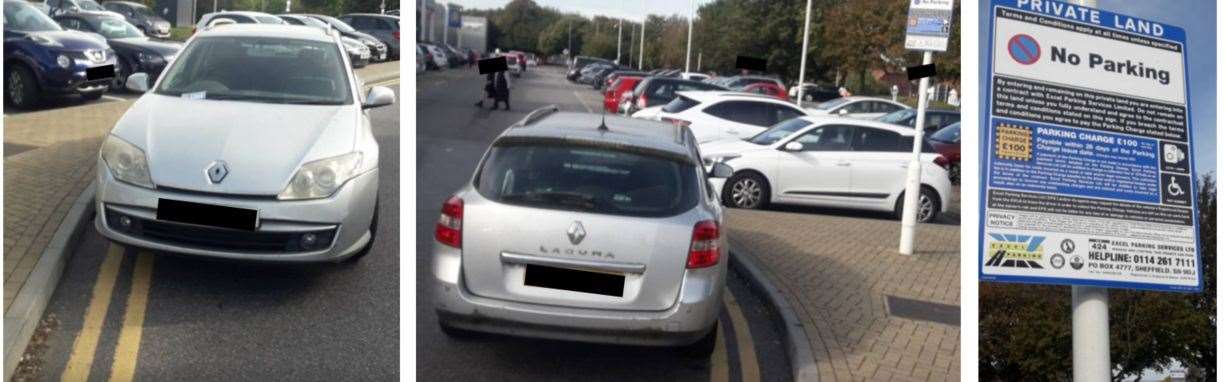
1197 20
627 9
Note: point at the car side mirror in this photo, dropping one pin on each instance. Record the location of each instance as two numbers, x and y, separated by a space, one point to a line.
793 146
379 96
842 111
720 170
138 82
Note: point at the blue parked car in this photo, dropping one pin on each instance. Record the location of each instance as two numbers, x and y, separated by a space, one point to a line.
41 59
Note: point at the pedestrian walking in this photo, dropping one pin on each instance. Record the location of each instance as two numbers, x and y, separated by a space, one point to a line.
489 90
502 90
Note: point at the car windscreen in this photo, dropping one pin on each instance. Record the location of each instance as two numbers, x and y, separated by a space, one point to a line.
114 28
679 104
142 10
21 16
338 24
898 117
269 19
778 131
831 103
588 179
259 69
949 134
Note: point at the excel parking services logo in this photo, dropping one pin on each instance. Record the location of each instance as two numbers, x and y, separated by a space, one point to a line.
1019 251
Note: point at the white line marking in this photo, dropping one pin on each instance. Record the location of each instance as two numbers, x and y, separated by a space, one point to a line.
576 93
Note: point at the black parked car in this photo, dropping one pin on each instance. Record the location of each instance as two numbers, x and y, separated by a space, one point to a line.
386 28
139 15
41 59
654 91
135 52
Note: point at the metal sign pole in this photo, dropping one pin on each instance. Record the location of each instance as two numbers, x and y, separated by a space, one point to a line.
642 37
804 54
689 37
619 42
1091 337
906 242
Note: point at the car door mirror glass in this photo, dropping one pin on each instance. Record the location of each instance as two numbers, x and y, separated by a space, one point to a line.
793 146
721 170
842 111
138 82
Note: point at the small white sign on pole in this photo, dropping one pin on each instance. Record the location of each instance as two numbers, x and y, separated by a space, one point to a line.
928 25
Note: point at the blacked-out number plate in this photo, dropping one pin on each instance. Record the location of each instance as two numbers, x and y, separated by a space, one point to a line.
206 214
100 72
574 280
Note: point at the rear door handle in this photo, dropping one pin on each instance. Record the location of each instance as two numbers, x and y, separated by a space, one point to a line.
844 164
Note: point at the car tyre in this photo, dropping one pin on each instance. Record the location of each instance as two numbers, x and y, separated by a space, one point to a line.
704 347
929 208
746 190
20 88
119 84
94 96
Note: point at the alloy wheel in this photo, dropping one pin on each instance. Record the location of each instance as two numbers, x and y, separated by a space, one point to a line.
926 208
16 88
746 193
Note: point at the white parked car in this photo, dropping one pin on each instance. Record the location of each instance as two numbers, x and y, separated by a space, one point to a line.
693 76
716 115
437 54
858 107
828 162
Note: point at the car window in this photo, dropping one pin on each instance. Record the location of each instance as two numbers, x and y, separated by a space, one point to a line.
825 138
934 121
341 25
751 113
361 23
779 131
780 113
113 28
679 104
662 92
293 21
586 179
870 139
21 16
951 133
70 23
831 104
90 5
885 107
259 69
269 19
143 11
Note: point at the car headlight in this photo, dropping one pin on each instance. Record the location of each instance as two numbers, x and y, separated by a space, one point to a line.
321 178
63 61
126 161
708 161
44 41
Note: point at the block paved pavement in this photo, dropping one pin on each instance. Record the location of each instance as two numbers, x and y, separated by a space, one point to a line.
49 160
836 267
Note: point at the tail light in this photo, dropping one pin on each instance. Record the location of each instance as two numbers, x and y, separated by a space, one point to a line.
642 101
942 161
450 222
676 122
396 35
704 245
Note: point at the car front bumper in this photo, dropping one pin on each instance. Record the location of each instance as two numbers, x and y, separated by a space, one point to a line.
687 321
344 219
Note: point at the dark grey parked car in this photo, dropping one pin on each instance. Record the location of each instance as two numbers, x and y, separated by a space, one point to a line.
378 50
386 28
141 17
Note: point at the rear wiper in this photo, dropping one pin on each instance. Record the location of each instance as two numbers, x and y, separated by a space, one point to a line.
572 199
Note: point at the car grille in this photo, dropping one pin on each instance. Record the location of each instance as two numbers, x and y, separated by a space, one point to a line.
221 239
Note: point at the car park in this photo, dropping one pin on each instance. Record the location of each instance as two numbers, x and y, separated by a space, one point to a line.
591 71
596 77
617 93
657 91
283 169
420 59
134 52
612 77
359 53
934 119
829 162
236 17
386 28
858 107
437 56
378 50
765 88
535 245
579 63
42 60
716 115
513 65
140 16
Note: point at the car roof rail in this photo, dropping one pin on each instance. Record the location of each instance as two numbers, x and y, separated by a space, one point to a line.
536 115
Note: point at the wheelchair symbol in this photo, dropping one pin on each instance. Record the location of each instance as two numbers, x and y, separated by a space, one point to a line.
1174 189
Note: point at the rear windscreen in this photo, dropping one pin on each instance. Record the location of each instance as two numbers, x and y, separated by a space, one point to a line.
679 104
587 179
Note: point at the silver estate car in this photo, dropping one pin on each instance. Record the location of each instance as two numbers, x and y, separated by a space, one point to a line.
584 229
254 144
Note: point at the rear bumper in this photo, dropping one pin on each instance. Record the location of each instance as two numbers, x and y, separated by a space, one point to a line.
684 323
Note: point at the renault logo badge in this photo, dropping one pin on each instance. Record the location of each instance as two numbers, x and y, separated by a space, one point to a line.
576 233
217 171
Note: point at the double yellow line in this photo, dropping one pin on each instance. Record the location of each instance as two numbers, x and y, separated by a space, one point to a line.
123 367
747 356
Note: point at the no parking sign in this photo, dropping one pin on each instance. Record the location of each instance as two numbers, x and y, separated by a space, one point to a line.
1087 169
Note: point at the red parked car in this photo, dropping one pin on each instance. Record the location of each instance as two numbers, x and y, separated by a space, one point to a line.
613 94
948 142
767 88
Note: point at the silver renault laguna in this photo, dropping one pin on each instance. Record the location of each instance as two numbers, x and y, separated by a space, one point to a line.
584 229
254 144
